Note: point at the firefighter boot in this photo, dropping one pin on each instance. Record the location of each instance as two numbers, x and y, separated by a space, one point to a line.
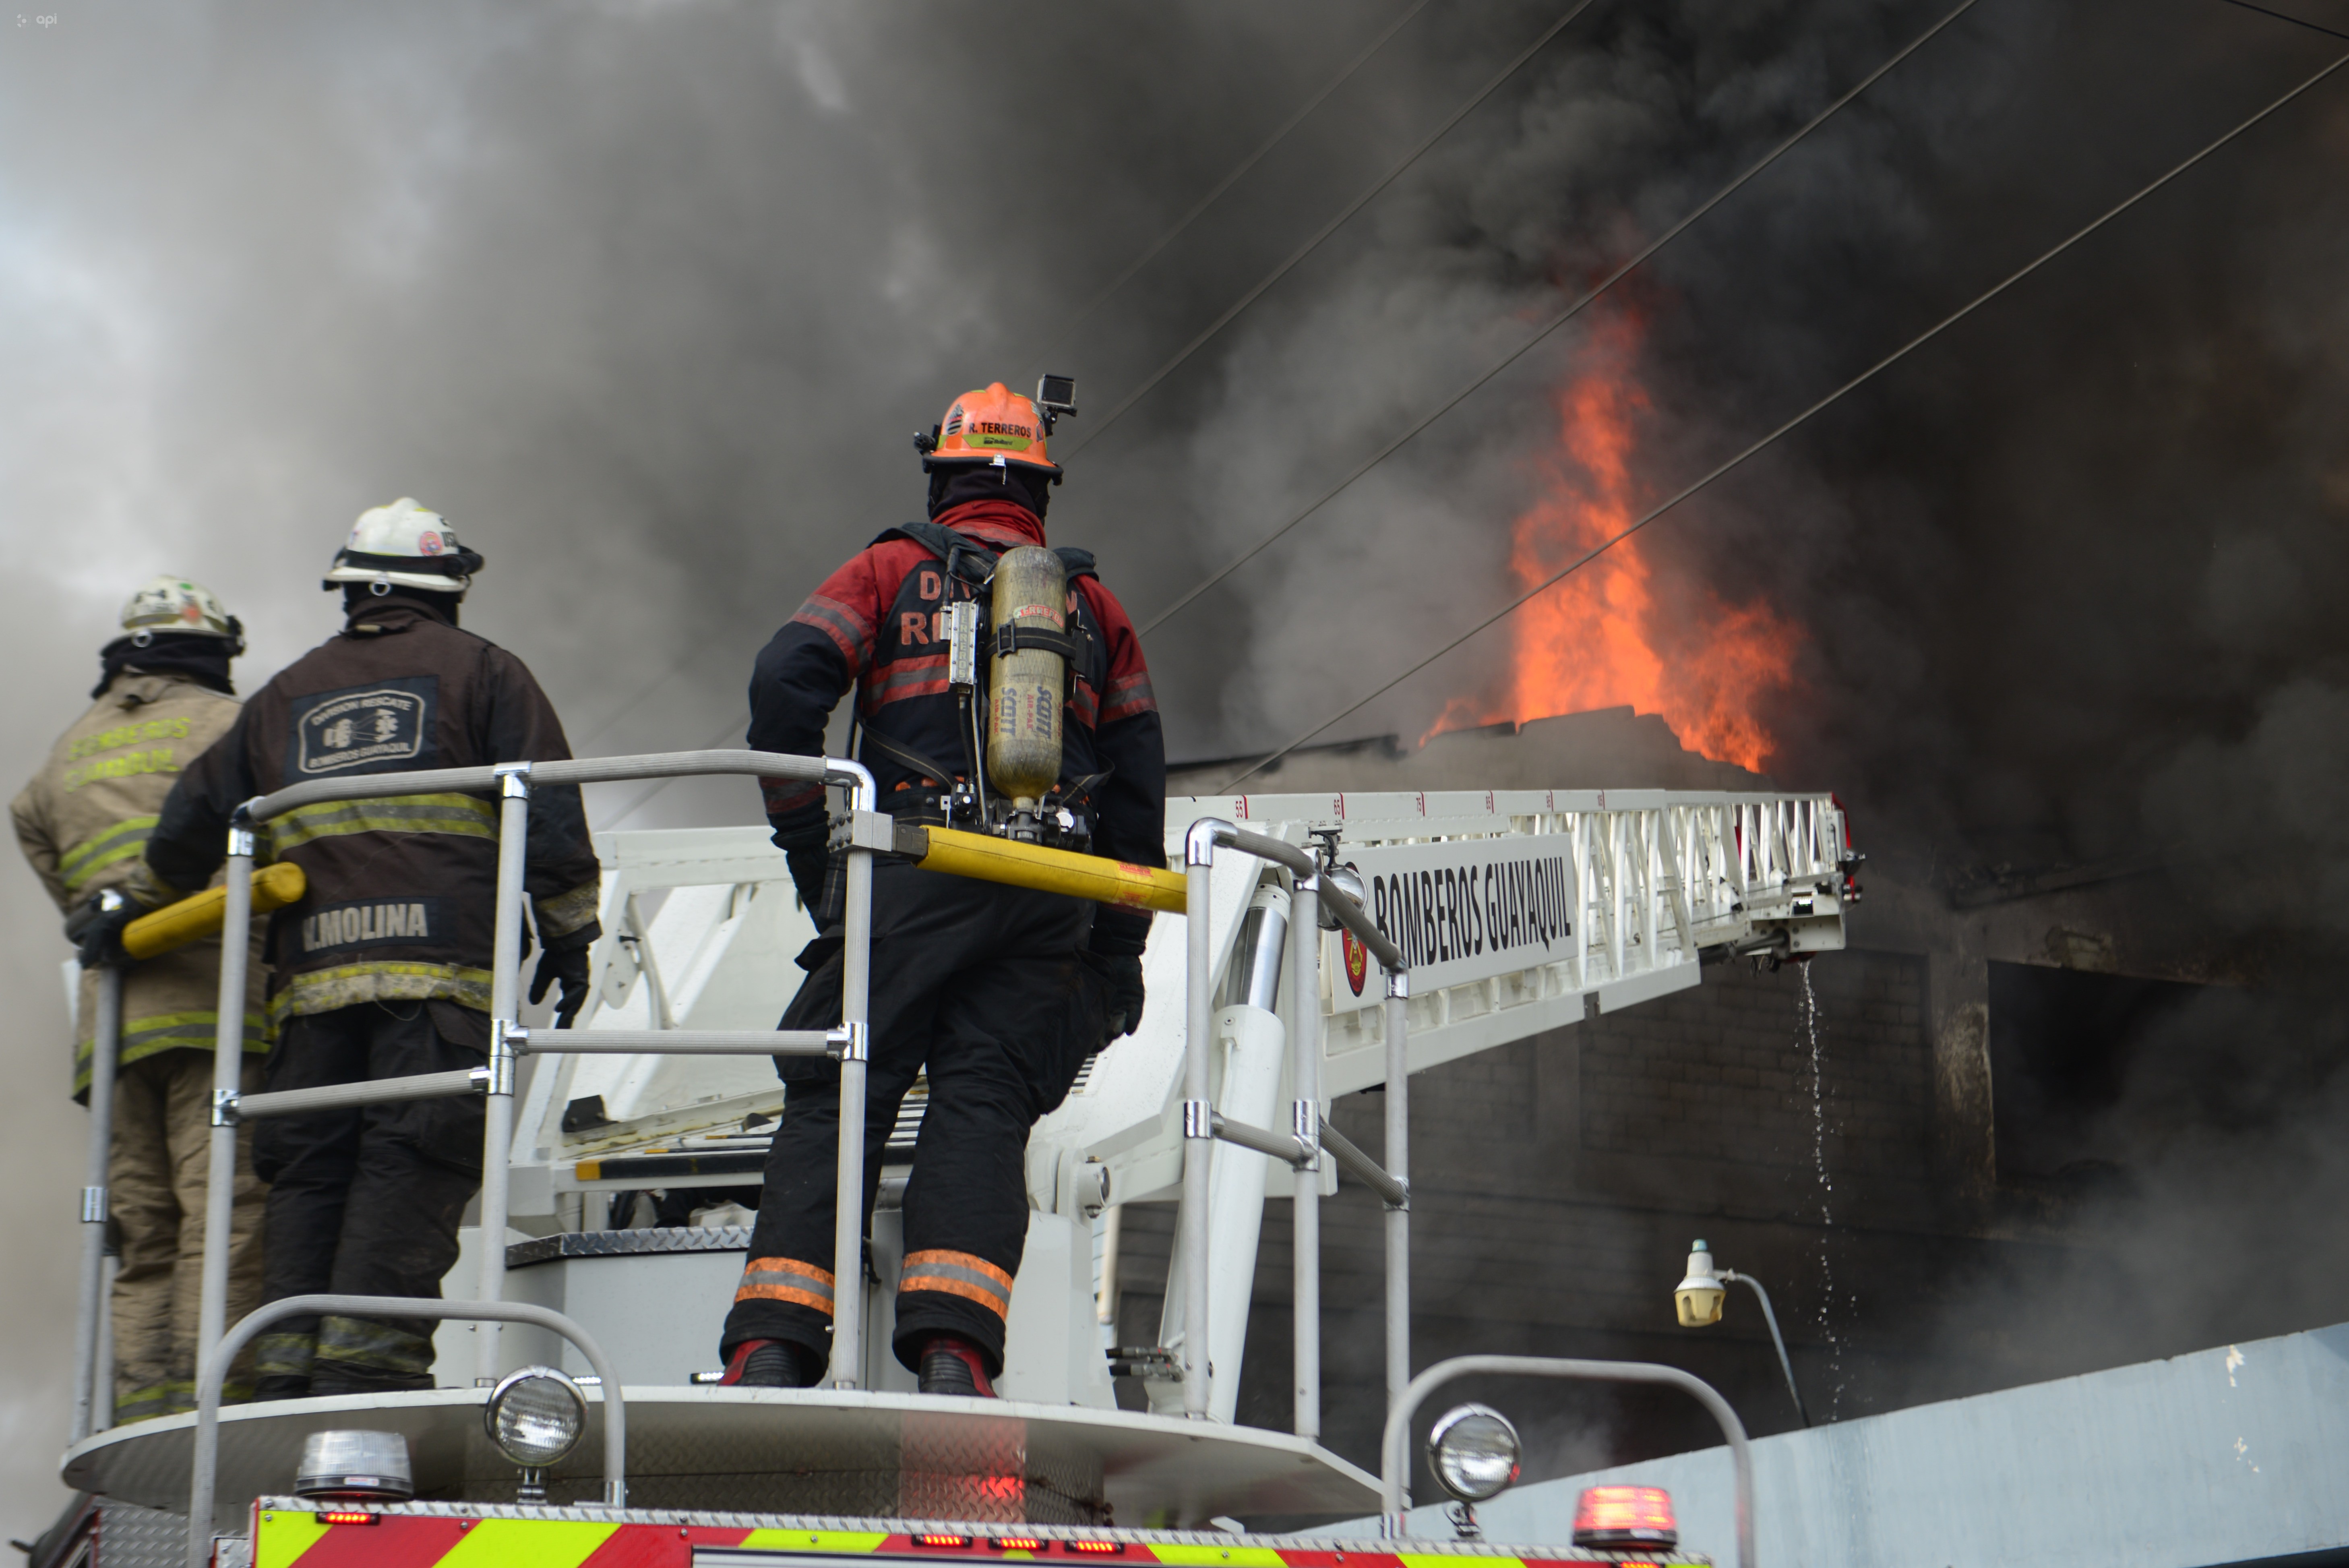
771 1363
951 1364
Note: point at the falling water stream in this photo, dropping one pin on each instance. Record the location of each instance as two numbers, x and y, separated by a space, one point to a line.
1807 1010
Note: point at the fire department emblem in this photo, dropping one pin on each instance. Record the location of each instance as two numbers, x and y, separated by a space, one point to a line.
1358 961
363 729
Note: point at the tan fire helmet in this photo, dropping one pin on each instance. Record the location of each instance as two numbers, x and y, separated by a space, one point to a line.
172 604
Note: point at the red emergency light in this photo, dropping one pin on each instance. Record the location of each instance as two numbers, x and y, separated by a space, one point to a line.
1097 1548
942 1541
1624 1518
347 1517
1017 1543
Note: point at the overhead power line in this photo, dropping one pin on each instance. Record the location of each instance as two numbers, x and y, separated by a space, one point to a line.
2296 21
1551 326
732 727
1232 179
1331 227
624 709
1863 378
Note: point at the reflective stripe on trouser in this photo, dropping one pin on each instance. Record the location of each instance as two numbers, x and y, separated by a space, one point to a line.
786 1279
154 1399
974 1279
373 1350
982 987
278 1354
157 1172
365 1344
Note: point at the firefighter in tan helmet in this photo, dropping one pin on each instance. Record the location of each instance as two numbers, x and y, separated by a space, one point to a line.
162 697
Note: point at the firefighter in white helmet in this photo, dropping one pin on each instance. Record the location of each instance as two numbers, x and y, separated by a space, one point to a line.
383 969
163 695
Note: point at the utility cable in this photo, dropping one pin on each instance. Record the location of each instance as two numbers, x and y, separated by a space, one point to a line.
731 727
1551 326
1799 419
624 709
1232 179
1283 270
2296 21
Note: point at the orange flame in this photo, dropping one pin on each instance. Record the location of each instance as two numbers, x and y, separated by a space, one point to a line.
1600 638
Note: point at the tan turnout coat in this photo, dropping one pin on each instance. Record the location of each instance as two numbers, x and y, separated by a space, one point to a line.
82 822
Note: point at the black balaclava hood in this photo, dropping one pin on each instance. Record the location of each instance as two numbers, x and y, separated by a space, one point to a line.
359 599
203 660
964 483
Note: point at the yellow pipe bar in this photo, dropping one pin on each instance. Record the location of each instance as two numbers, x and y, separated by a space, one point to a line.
193 919
991 859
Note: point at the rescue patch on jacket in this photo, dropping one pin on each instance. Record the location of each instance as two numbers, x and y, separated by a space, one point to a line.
372 923
364 729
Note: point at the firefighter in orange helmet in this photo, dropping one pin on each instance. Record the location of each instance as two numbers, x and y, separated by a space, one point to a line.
1000 993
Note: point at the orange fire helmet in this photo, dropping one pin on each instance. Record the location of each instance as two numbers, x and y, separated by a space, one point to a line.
994 424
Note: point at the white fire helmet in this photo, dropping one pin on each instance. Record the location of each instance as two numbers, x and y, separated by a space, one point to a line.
172 603
405 546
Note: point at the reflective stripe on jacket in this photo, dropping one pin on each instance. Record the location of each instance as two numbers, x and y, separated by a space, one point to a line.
84 821
399 886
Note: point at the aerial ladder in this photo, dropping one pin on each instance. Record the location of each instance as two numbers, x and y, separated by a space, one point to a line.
1309 947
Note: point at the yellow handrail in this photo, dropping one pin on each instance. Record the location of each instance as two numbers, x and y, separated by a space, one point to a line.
194 918
991 859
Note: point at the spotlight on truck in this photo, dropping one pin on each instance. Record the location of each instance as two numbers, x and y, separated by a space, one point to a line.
535 1417
1473 1450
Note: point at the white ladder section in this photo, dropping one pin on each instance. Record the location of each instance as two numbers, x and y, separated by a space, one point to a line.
1520 911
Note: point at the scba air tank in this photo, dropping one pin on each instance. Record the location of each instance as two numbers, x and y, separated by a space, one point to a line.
1027 685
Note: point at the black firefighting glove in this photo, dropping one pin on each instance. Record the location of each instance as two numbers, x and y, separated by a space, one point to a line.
568 965
809 868
95 927
1125 994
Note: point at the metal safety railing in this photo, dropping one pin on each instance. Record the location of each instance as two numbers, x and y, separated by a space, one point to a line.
1757 843
1394 1444
867 833
105 1045
189 920
511 782
202 1482
1310 1131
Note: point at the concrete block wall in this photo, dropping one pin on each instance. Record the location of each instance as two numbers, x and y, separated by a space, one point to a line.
1724 1082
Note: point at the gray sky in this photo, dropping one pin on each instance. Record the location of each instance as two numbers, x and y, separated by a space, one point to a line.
647 297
